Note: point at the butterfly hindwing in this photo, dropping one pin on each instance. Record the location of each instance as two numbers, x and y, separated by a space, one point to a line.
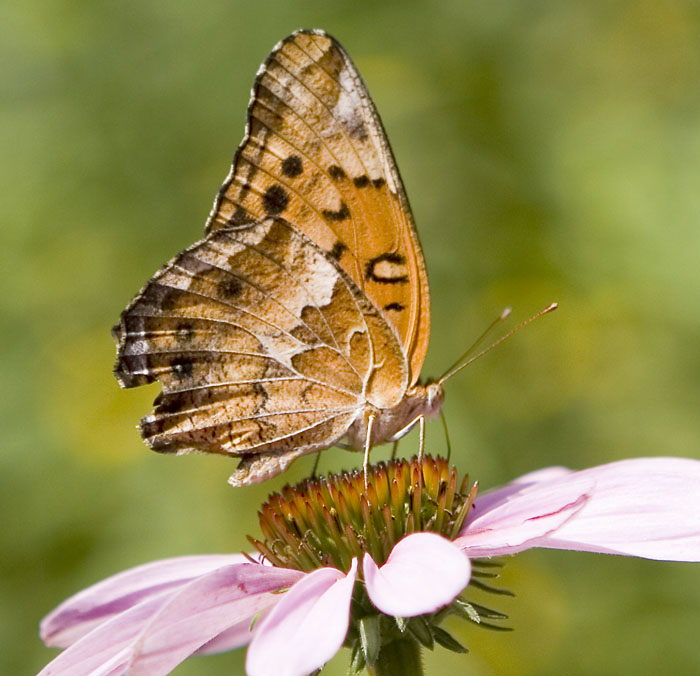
262 344
315 153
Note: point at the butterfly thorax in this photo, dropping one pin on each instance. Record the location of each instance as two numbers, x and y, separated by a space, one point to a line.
389 424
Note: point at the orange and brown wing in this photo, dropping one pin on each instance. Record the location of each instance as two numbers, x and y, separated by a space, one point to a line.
263 347
316 154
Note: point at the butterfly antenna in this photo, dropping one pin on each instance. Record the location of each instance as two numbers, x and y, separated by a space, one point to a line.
465 360
504 315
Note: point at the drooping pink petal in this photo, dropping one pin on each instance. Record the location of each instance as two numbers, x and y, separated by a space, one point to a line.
424 572
108 649
105 651
81 613
233 637
648 507
207 606
306 628
507 520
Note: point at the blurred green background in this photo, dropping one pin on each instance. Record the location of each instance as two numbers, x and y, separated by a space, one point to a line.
551 151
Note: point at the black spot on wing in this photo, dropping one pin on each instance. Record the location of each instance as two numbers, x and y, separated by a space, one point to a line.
275 200
240 216
361 181
229 288
134 370
169 299
357 129
378 182
394 306
184 332
182 367
169 403
292 166
337 250
336 172
339 215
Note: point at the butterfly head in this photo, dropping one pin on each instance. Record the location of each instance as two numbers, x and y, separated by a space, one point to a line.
431 395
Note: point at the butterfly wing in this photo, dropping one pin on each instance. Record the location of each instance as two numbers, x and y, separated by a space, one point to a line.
315 153
263 346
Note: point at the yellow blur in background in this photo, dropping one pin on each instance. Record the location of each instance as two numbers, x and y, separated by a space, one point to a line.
551 151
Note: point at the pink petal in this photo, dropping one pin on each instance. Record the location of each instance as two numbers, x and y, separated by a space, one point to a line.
233 637
306 628
648 507
107 649
424 572
226 598
81 613
507 520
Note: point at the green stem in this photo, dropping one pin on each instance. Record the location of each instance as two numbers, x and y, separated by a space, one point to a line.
398 658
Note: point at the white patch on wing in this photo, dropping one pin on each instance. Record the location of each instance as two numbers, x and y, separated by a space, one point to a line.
354 111
389 270
346 109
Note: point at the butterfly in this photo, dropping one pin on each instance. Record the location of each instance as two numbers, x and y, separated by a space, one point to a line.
302 318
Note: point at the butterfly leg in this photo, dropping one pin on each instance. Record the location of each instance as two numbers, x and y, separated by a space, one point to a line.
447 436
318 459
420 419
421 429
394 448
368 440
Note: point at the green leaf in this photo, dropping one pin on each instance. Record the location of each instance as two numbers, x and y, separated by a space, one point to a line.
370 638
495 627
488 588
488 613
448 641
421 630
399 658
465 610
357 661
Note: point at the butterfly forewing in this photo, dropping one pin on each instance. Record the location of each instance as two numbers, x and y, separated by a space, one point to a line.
315 153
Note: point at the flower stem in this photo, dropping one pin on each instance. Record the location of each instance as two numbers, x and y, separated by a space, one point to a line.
398 658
